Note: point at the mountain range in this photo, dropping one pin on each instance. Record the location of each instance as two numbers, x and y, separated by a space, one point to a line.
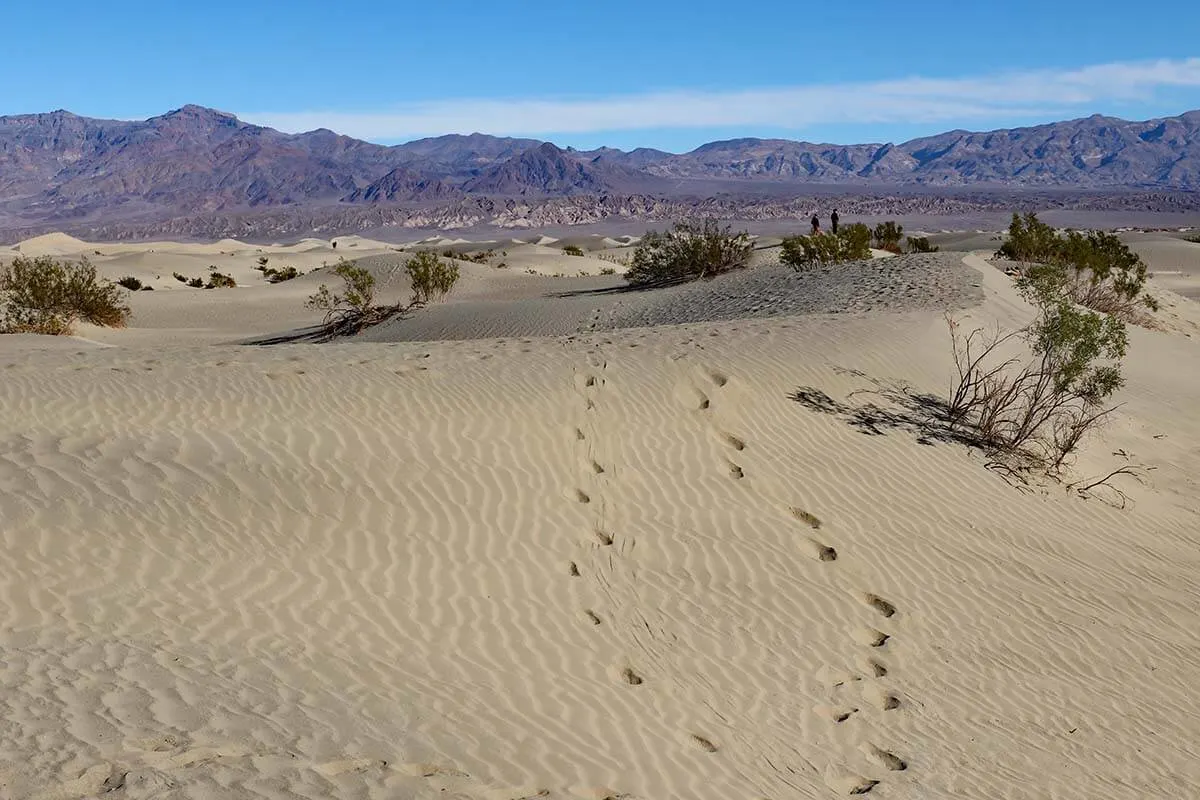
62 170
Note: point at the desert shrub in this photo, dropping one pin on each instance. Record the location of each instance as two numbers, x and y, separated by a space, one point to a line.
1192 239
690 250
851 243
1029 239
262 263
147 288
431 277
1038 410
1094 269
608 271
196 283
42 295
180 278
131 283
887 236
573 250
920 244
280 275
219 280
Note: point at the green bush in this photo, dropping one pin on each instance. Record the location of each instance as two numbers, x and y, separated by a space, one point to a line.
573 250
131 283
691 250
196 283
280 275
42 295
219 280
1192 239
851 243
262 263
887 236
920 244
1030 240
180 278
1039 412
1094 269
431 277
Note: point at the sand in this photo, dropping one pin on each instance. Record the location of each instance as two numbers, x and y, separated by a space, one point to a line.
619 563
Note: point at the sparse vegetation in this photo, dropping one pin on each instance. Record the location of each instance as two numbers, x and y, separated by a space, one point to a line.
355 308
180 278
196 283
573 250
219 280
1037 411
920 244
608 271
1193 239
691 250
431 277
276 275
851 243
1094 269
131 283
887 236
42 295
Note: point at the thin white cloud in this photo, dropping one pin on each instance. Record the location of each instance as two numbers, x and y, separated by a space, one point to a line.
915 99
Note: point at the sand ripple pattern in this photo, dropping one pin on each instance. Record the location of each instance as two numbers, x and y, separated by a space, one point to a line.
609 565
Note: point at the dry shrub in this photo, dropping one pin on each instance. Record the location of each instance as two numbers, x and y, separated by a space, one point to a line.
689 251
42 295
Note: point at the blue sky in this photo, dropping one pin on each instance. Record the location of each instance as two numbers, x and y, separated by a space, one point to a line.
670 75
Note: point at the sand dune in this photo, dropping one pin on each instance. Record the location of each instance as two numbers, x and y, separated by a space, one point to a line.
610 564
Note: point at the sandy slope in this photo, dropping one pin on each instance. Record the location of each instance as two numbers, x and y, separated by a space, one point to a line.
622 564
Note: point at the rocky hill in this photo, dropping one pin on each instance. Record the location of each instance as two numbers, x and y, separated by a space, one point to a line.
62 170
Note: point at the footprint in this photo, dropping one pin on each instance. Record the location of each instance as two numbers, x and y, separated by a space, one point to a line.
578 495
883 758
879 604
836 714
605 539
718 379
870 637
631 677
592 616
573 570
820 552
808 519
584 381
691 398
596 468
873 667
579 435
850 784
732 441
880 698
736 472
703 743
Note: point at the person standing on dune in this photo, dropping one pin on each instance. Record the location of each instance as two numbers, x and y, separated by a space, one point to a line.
816 224
833 221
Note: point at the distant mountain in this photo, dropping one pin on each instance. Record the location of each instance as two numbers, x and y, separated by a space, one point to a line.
547 171
403 185
60 170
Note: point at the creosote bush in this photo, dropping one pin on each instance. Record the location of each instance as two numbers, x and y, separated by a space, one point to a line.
131 283
219 280
851 243
920 244
573 250
431 277
355 308
42 295
887 236
1094 269
689 251
1036 411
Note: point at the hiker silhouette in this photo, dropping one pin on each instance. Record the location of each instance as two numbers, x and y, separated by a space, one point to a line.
816 224
833 220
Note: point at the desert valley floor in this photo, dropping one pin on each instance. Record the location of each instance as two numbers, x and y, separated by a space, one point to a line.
537 542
